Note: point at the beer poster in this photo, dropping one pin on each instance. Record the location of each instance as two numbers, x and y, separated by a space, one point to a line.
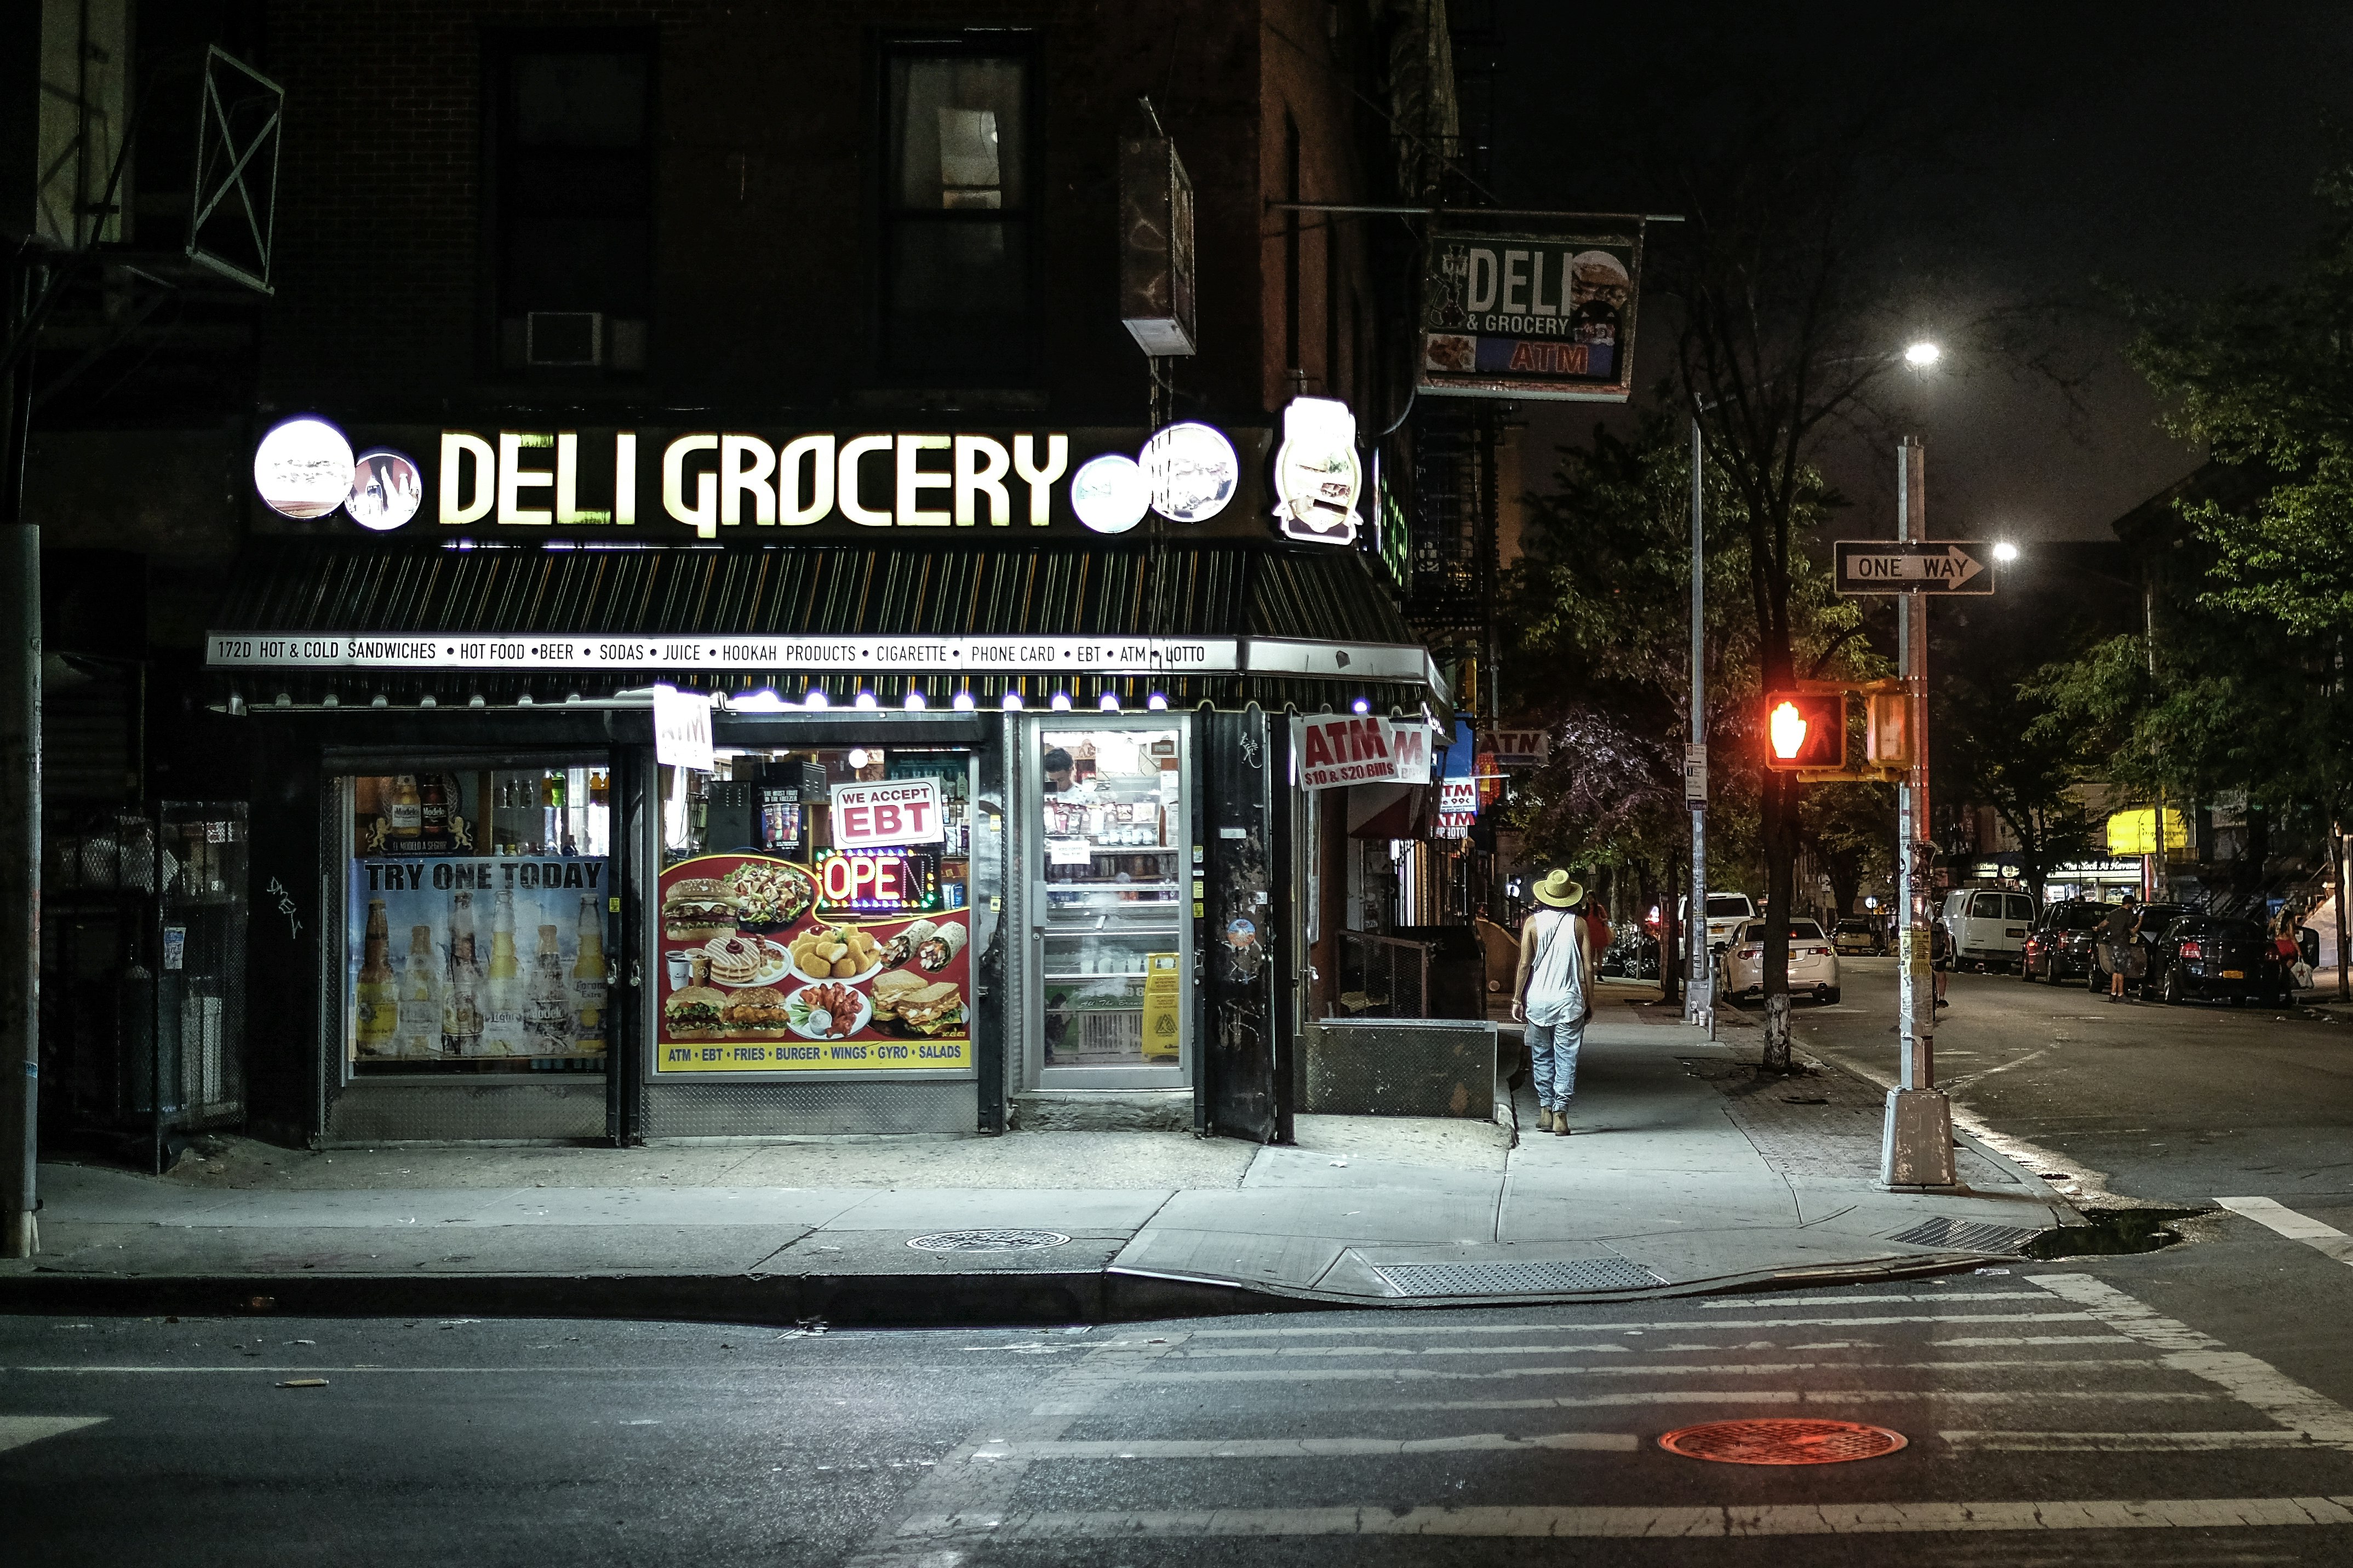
468 963
848 965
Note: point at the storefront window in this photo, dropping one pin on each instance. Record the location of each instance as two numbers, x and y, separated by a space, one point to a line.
814 913
1114 838
476 930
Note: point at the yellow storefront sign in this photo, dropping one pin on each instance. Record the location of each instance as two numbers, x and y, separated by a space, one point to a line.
1163 998
2135 832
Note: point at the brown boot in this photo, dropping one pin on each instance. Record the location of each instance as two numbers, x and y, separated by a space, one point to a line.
1560 1123
1544 1119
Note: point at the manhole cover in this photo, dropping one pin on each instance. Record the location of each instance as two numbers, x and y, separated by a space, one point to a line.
1782 1442
1518 1279
989 1240
1964 1235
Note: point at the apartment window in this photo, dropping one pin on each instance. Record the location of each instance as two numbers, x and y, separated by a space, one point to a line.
571 185
958 290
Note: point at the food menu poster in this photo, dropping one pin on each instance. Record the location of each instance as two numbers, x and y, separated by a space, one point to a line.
756 979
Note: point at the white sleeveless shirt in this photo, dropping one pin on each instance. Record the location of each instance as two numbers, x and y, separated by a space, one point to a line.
1556 978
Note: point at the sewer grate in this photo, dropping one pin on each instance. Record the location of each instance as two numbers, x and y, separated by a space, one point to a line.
1782 1442
1964 1236
989 1240
1517 1278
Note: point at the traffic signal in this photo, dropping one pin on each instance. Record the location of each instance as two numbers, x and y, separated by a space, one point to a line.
1805 730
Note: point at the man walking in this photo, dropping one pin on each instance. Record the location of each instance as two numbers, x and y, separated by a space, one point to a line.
1548 995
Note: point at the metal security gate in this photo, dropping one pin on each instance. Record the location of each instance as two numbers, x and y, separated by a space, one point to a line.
143 976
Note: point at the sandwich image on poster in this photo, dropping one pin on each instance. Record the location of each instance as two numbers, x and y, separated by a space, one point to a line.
757 980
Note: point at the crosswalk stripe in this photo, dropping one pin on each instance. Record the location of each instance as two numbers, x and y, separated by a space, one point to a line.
1656 1369
1842 1398
16 1431
2137 1442
1591 1523
1234 1353
2326 1239
2246 1378
1670 1325
1308 1447
1738 1303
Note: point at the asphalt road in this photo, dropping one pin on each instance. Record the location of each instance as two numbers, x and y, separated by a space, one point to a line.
2178 1105
2190 1406
2135 1410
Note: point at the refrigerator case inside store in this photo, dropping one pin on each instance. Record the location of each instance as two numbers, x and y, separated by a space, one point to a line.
1114 842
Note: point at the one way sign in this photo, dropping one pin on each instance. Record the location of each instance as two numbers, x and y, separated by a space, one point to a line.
1934 566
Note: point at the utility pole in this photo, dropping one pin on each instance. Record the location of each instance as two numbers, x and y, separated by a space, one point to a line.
1698 992
20 791
1916 1141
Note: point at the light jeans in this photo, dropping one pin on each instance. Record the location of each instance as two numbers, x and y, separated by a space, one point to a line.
1552 1062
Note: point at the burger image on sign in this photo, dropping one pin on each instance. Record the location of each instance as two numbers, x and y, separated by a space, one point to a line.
1317 476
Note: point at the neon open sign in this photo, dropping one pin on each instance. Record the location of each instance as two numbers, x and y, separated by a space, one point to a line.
878 881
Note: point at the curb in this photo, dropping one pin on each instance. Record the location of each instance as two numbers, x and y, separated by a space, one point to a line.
873 1300
995 1299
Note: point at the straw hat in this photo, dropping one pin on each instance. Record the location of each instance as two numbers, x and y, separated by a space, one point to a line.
1558 890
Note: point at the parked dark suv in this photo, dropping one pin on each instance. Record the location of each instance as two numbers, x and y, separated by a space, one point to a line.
2059 945
2212 955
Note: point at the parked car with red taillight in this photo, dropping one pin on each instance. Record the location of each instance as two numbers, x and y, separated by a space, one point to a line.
1813 962
2214 955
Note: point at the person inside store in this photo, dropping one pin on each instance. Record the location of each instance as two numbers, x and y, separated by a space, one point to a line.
1058 771
1550 995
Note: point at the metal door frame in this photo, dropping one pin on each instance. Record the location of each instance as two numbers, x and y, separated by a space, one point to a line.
1024 789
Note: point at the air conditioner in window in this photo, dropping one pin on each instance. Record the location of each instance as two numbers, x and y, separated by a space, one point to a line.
563 337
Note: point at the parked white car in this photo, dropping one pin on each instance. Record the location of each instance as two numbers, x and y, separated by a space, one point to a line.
1726 913
1813 962
1986 927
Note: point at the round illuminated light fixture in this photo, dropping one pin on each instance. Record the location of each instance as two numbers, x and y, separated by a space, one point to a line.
1191 472
1109 493
303 467
386 489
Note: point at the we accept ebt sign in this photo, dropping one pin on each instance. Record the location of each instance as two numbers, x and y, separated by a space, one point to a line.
1336 749
876 816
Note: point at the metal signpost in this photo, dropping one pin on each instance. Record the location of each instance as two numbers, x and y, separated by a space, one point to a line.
1699 999
1916 1141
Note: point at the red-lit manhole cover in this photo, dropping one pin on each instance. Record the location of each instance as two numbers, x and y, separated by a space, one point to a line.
1782 1442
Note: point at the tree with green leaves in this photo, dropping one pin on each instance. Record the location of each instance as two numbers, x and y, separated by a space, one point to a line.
2264 376
1599 609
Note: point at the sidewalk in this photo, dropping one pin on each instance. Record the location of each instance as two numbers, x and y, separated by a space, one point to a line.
1686 1174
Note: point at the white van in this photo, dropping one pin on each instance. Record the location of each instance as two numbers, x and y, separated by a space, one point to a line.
1986 927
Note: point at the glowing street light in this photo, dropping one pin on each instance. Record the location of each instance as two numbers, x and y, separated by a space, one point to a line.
1923 354
2005 552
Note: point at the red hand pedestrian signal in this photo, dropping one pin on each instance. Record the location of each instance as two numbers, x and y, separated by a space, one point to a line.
1805 730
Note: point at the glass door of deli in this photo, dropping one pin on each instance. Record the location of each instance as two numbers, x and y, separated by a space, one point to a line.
1110 870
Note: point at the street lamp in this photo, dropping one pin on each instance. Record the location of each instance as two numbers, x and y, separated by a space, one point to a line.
1698 994
2005 552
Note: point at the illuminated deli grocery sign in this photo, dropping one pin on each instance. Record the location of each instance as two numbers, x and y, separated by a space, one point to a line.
712 481
516 486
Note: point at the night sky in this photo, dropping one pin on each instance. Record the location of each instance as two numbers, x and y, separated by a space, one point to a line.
2165 145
